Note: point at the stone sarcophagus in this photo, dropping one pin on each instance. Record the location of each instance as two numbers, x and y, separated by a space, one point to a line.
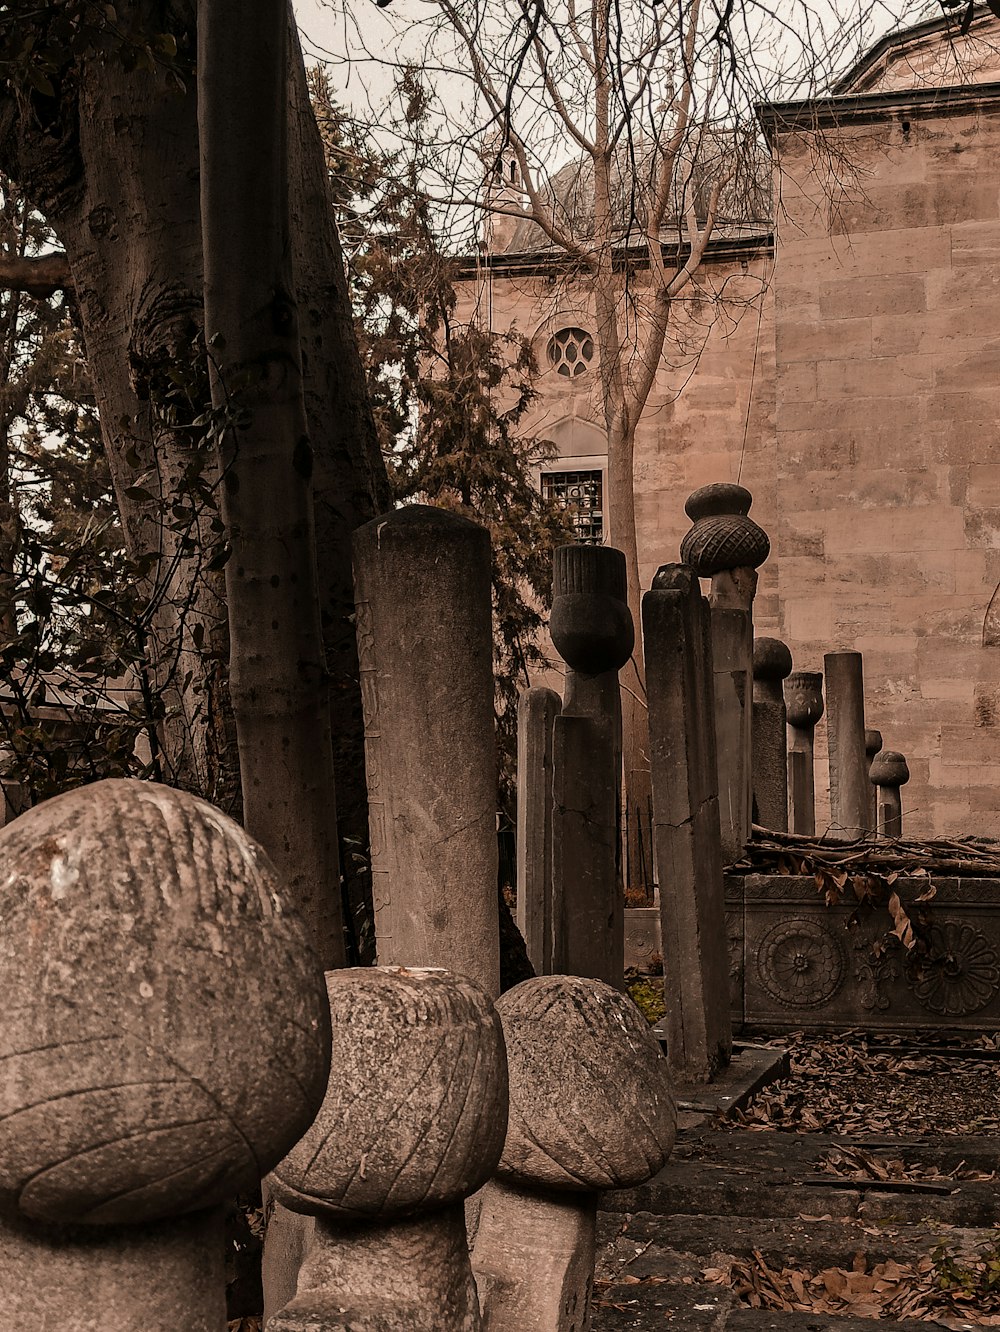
797 962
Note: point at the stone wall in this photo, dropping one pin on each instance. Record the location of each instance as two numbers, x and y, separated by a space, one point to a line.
887 432
852 382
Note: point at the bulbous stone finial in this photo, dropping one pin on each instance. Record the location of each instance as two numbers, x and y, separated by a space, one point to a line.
889 769
591 625
151 972
873 743
723 536
579 1042
415 1113
804 698
772 659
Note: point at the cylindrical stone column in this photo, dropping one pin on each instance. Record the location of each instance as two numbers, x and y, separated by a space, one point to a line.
537 710
165 1038
590 1109
425 645
803 708
772 663
873 746
845 732
413 1122
677 643
724 544
890 772
592 630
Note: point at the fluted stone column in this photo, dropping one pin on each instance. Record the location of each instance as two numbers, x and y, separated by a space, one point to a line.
772 663
677 643
425 646
845 733
803 707
165 1038
726 545
873 746
590 1109
413 1122
889 773
592 631
537 710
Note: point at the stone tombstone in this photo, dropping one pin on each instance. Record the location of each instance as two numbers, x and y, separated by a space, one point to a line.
889 772
425 644
537 710
727 546
591 628
845 733
165 1039
803 709
413 1122
873 746
772 663
590 1109
677 643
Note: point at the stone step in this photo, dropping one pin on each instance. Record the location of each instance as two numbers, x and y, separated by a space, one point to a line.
650 1269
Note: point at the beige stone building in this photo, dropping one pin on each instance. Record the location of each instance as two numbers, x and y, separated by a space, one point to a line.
841 359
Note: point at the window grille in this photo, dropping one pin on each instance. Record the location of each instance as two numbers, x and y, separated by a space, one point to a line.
581 494
570 352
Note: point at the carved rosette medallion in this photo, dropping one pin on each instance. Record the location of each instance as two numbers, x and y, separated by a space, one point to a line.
959 974
800 963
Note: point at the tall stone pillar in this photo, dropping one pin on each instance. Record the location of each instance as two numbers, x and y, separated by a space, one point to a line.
845 733
726 545
677 643
804 707
592 631
772 662
165 1038
413 1122
425 645
537 710
873 746
890 772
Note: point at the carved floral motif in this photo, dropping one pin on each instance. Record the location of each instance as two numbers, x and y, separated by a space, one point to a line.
800 963
959 974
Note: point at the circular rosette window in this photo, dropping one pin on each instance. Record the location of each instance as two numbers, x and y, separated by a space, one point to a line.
959 974
570 352
800 963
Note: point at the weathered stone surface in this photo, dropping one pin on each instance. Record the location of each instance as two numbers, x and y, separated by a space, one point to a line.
888 773
413 1122
590 623
679 689
845 700
722 536
165 1031
731 603
772 662
804 707
159 1276
426 653
873 744
414 1113
592 629
590 1102
536 713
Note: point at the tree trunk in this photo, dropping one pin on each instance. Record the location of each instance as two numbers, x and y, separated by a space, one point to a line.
277 665
113 165
635 721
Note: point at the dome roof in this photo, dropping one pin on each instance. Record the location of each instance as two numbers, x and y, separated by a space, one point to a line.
735 157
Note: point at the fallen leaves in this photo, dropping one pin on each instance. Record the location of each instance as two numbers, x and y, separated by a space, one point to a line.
856 1163
923 1289
852 1084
